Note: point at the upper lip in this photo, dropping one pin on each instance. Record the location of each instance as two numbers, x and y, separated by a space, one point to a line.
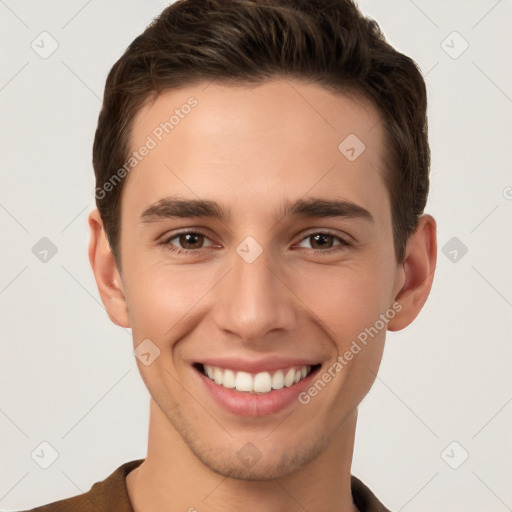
266 364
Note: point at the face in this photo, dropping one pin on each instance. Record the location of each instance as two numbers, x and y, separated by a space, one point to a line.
255 251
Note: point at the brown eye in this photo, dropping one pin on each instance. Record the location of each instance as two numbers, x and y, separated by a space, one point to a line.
187 241
191 240
323 242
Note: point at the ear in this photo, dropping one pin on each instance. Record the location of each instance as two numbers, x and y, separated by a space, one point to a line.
108 279
417 273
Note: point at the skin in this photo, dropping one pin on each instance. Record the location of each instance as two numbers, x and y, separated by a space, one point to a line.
250 148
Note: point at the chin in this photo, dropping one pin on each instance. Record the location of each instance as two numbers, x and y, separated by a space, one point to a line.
265 469
247 457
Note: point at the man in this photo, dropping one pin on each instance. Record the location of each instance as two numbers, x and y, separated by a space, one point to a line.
262 171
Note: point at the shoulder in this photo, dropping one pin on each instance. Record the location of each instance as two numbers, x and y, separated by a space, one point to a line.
105 496
364 498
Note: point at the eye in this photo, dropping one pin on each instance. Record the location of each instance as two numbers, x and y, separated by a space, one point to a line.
324 242
188 241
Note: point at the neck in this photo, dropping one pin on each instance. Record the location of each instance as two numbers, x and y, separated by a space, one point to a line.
172 479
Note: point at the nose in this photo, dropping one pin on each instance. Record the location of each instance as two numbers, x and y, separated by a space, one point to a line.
254 300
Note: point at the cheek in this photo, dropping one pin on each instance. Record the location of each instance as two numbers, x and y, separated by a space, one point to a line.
346 299
161 296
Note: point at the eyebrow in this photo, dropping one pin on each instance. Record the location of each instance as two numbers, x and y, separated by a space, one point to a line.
172 207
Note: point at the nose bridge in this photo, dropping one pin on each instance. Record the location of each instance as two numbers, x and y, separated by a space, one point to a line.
254 300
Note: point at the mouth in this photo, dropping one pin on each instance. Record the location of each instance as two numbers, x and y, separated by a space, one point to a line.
260 383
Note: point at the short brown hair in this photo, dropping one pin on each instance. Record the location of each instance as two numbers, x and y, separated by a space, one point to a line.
326 42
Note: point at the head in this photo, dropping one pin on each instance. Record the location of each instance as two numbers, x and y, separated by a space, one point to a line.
255 136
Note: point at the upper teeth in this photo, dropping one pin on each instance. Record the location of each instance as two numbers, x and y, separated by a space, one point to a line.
262 382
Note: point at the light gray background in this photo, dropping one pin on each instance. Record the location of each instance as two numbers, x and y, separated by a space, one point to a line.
68 376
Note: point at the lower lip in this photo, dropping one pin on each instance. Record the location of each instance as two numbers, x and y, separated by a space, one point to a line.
255 404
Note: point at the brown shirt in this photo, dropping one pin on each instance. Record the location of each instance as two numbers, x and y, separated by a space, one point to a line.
111 495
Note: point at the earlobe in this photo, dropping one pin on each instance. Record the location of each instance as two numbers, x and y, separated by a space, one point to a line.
418 270
106 274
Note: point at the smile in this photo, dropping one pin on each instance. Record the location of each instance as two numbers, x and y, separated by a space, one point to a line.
262 382
255 388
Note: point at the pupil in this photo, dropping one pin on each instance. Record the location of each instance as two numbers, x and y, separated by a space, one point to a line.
191 239
320 239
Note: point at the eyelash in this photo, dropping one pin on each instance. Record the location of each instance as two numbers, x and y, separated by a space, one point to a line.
177 250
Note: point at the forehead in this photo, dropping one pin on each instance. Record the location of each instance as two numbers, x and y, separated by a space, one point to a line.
248 143
276 107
